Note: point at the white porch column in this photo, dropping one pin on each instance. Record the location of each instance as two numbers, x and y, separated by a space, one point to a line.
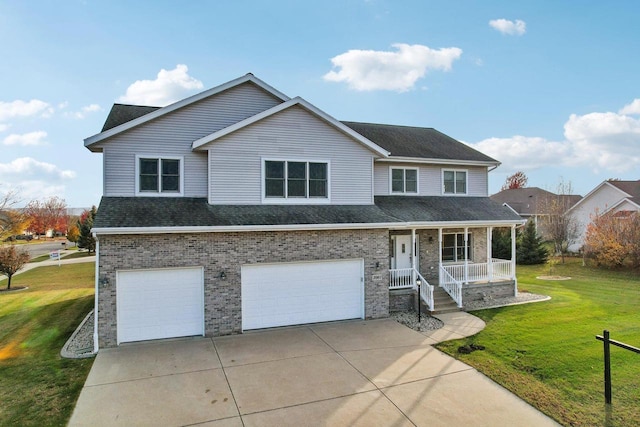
413 256
466 255
489 254
513 251
440 257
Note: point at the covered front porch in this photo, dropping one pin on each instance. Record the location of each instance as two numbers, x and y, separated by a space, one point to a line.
457 259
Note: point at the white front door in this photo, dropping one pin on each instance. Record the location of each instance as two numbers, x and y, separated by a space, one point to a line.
403 251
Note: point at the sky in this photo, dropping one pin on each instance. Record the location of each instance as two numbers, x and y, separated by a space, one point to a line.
550 88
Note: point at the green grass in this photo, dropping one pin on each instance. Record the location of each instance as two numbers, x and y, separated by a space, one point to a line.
38 386
547 352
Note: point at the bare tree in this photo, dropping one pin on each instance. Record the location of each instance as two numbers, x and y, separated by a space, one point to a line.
562 226
10 219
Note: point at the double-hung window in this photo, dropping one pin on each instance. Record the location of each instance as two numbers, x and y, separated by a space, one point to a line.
159 175
404 180
453 247
284 179
454 181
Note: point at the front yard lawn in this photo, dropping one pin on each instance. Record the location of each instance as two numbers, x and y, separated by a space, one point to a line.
547 352
38 386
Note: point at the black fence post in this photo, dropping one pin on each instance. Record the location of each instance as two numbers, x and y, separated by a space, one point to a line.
607 367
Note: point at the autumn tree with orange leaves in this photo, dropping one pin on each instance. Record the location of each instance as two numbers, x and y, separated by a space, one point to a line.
613 239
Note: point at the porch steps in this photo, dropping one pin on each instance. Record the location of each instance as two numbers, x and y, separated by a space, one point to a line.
442 302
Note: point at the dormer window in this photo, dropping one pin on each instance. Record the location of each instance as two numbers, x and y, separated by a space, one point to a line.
293 180
404 181
454 181
159 176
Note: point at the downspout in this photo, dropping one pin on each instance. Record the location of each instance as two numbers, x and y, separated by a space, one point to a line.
466 255
96 345
440 257
513 259
489 253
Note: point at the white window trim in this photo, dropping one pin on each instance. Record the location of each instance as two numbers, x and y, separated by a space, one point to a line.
466 182
294 200
391 168
159 193
460 261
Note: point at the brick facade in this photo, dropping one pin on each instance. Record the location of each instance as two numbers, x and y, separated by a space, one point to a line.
218 252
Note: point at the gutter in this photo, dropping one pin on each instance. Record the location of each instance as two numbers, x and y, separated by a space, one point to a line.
301 227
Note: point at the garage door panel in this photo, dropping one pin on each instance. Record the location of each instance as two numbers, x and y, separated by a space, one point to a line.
155 304
297 293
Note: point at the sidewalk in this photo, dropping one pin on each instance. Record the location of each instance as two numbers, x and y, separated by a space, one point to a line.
32 265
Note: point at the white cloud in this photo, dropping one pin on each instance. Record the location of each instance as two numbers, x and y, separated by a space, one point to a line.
523 153
168 87
366 70
19 108
27 166
607 141
631 109
39 189
83 111
598 141
4 126
505 26
31 138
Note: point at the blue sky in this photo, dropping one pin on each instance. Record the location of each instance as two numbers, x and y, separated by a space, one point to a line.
547 87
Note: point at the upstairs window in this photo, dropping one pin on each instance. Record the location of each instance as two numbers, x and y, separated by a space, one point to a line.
454 182
453 247
404 180
295 180
159 176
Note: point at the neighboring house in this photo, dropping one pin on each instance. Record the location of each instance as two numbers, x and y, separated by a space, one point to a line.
240 208
532 203
611 196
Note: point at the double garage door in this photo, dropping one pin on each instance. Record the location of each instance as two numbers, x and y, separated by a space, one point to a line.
166 303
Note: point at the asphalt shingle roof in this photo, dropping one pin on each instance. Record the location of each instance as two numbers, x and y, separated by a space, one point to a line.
143 212
196 212
531 200
444 209
629 187
123 113
409 141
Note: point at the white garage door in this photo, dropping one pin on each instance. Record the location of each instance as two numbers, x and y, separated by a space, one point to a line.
154 304
305 292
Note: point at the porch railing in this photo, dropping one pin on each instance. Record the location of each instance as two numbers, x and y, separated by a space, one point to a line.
400 278
426 291
479 271
502 269
451 285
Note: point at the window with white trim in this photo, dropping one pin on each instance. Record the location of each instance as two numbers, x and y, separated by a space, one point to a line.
159 175
454 181
453 247
285 179
404 180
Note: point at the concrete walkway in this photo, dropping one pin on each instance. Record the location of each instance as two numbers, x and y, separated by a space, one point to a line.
353 373
32 265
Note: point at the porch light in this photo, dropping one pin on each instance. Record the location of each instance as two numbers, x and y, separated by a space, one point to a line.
223 275
104 281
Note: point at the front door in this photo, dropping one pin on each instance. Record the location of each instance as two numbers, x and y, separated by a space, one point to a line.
403 251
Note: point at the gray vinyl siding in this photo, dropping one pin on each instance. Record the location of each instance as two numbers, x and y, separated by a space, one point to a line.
430 178
173 134
235 161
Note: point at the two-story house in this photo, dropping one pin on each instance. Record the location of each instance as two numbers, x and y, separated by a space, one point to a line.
240 208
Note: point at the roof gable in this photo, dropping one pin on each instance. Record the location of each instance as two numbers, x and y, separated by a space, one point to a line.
608 186
155 112
201 143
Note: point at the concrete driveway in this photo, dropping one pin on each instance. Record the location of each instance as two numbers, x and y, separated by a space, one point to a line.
356 373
